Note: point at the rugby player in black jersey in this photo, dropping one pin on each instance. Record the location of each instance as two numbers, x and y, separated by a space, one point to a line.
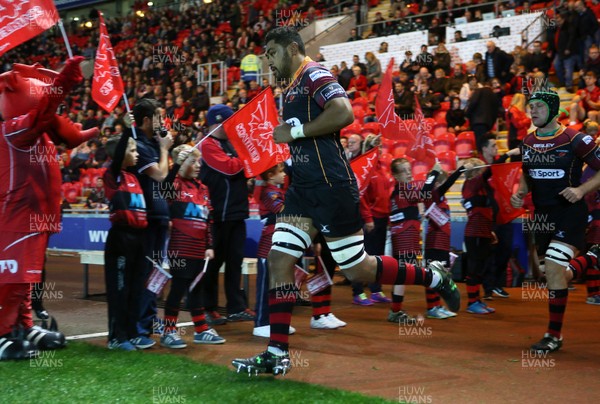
323 197
553 157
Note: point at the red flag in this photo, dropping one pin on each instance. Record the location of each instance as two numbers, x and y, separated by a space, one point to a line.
363 167
422 149
250 131
392 126
21 20
107 87
505 178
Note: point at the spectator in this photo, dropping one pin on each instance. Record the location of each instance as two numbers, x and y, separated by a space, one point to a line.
425 59
561 43
537 59
423 77
373 69
353 36
358 84
587 28
409 66
354 146
456 82
403 100
455 117
240 99
480 67
383 47
345 75
379 25
319 58
97 198
458 36
585 102
592 63
497 63
439 32
250 67
254 89
201 100
429 102
439 84
517 122
442 58
356 62
499 92
482 110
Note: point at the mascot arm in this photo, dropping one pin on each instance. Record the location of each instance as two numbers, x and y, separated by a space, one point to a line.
22 131
63 130
65 81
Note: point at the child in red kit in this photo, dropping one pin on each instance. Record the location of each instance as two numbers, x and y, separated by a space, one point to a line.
190 245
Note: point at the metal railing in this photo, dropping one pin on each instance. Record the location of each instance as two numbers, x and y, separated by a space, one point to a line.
327 31
410 26
204 77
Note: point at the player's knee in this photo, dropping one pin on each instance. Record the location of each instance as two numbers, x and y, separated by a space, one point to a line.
558 256
289 240
348 252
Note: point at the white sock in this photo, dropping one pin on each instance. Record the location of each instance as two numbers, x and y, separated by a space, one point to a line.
276 351
398 290
436 279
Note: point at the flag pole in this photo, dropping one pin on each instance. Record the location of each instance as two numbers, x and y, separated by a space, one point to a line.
65 37
207 136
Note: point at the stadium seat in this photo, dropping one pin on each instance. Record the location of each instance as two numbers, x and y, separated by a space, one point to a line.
443 143
465 145
359 113
371 127
447 160
420 168
420 176
439 130
444 106
351 129
362 102
440 117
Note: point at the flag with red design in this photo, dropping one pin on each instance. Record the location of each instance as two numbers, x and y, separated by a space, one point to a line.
363 166
250 131
422 149
392 126
21 20
505 178
107 87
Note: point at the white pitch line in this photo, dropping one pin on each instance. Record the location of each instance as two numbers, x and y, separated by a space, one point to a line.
105 333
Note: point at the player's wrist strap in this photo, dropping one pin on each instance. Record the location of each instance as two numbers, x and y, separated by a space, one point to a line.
297 131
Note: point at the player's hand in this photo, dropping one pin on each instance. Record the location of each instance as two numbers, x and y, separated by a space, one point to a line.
166 142
572 194
516 200
282 133
209 254
369 227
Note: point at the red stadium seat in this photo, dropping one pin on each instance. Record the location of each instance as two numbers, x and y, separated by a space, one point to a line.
465 145
444 105
372 127
420 177
440 117
443 143
362 102
447 160
439 130
420 168
400 148
359 113
351 129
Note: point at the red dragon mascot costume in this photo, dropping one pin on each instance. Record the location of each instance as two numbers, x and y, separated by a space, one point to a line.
30 194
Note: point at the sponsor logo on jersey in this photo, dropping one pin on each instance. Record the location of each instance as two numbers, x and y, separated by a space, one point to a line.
7 266
546 174
543 145
316 75
333 90
587 139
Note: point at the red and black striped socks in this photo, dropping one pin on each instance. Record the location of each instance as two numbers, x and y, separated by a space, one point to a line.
199 320
392 272
171 315
592 282
281 304
432 297
557 303
321 303
580 265
472 290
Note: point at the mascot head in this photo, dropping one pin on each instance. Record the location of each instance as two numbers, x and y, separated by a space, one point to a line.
24 88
